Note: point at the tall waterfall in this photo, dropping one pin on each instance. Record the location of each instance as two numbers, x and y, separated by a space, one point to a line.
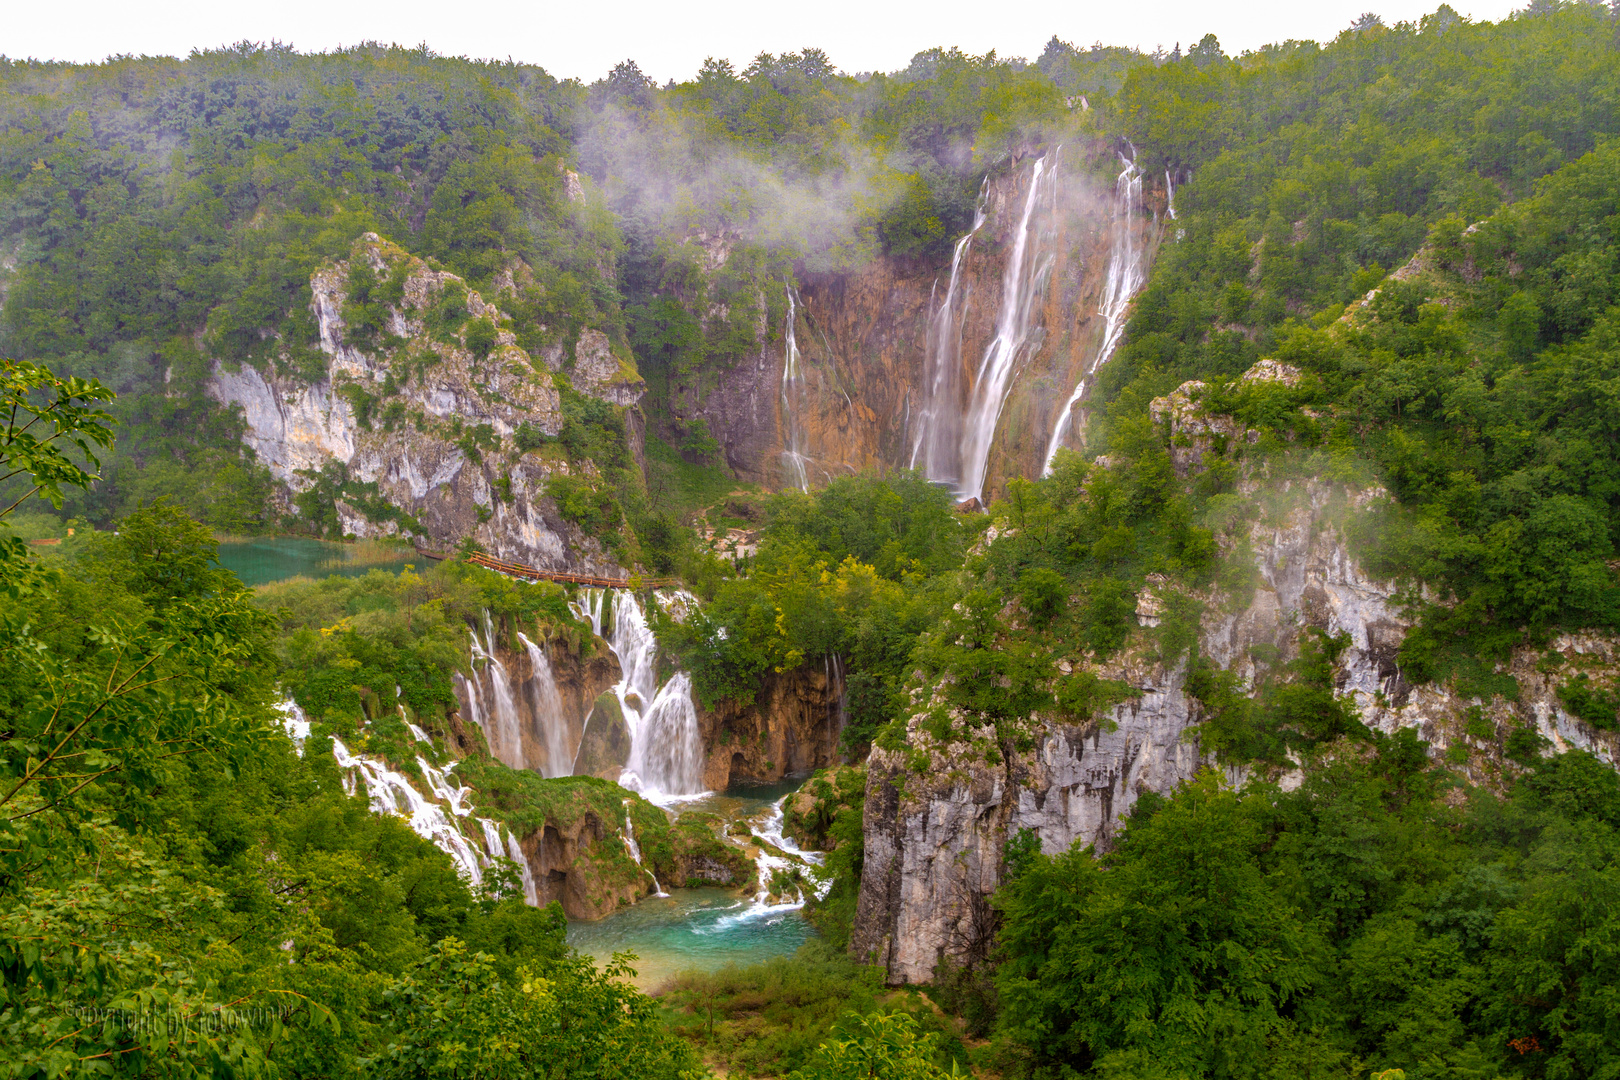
1126 275
794 459
548 712
666 748
491 704
936 442
1023 279
497 714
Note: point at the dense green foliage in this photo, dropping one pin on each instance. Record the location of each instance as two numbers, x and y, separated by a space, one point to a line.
852 570
1473 386
185 894
1362 922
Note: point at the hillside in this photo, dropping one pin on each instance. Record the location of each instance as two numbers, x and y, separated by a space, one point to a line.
1134 535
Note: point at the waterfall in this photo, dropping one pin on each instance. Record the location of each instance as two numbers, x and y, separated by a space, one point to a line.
416 733
393 793
295 723
439 783
1126 275
514 851
936 442
492 836
1170 201
548 712
1024 277
502 728
390 792
794 458
666 748
765 863
629 836
838 704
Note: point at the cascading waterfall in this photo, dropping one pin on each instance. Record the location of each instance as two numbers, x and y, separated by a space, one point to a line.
794 458
1022 281
492 834
1170 200
390 792
666 748
295 723
548 712
514 851
770 830
838 702
393 793
629 836
502 728
936 445
1126 275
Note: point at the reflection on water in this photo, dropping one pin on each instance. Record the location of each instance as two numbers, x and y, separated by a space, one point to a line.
263 560
692 929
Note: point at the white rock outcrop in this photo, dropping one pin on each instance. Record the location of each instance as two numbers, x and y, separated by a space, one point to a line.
438 424
935 835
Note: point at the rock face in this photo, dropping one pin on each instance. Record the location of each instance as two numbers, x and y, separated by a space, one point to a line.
564 858
935 835
412 418
523 713
792 727
869 340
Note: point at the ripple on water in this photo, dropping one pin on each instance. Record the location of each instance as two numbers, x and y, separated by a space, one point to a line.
693 930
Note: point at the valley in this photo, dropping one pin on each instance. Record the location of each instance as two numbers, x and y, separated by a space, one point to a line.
1101 565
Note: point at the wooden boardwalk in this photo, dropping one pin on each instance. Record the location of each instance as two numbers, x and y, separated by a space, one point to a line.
534 573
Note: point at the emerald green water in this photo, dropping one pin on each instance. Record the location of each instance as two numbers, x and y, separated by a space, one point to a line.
268 559
692 930
700 929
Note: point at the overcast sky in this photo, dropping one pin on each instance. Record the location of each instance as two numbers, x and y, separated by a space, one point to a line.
583 39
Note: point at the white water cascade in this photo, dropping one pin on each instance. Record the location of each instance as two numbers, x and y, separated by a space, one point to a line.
295 723
936 444
514 851
437 819
666 748
770 830
1024 278
1127 273
497 714
629 836
390 792
794 459
548 712
1170 201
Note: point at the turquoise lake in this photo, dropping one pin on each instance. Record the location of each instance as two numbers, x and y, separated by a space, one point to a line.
262 560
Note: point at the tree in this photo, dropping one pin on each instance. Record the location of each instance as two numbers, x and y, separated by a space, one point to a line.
875 1046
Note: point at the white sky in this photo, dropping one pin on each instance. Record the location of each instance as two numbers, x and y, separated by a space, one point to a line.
583 39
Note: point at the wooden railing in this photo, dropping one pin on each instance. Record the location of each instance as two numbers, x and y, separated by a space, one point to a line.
535 573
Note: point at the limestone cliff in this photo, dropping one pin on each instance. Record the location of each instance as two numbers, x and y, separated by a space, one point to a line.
935 833
421 415
879 368
790 728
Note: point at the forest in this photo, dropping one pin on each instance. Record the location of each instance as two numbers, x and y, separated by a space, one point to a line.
1384 306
